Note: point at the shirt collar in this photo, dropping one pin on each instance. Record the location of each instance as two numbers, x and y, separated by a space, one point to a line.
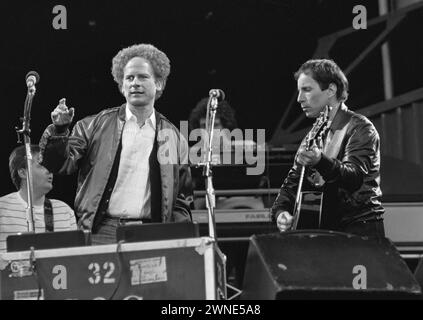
25 203
150 120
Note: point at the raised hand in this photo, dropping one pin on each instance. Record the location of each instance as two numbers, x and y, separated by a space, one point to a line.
61 115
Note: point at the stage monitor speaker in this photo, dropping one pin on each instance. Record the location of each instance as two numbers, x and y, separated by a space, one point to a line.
316 264
418 273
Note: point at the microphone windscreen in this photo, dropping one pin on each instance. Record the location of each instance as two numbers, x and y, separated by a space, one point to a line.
33 73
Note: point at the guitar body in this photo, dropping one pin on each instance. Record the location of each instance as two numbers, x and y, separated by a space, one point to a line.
310 210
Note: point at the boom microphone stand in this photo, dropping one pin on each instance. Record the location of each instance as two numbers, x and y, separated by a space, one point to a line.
31 79
214 96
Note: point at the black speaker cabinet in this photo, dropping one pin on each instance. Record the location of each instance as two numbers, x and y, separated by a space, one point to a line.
316 264
418 273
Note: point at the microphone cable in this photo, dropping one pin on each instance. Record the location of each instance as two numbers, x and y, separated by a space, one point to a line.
33 266
120 263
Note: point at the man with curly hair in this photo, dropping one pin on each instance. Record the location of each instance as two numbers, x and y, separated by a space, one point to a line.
225 115
132 161
225 121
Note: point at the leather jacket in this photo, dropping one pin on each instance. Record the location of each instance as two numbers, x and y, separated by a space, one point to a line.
350 168
91 150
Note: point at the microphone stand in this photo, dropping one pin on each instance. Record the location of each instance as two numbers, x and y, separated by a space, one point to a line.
25 131
207 164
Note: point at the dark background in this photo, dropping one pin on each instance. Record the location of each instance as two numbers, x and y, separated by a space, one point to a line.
248 48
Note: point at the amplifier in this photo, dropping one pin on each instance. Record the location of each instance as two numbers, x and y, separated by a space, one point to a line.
169 269
236 224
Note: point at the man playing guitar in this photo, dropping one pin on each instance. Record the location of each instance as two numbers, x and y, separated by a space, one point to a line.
339 157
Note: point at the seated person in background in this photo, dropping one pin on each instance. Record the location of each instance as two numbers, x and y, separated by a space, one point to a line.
225 115
224 119
14 207
225 122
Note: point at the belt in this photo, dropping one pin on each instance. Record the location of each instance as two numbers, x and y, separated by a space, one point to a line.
123 221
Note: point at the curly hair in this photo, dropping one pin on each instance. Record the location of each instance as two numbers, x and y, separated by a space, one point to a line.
325 72
17 161
158 61
224 112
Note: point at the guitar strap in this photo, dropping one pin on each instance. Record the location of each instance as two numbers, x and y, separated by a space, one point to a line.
48 215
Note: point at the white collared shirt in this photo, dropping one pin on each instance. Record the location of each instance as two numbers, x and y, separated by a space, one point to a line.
131 196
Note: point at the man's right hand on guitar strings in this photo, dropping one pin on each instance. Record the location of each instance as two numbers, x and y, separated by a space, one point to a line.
284 221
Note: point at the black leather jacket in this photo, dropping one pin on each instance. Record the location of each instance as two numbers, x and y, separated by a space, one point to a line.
350 169
91 149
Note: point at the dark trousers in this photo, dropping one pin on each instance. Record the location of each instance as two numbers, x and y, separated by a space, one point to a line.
106 230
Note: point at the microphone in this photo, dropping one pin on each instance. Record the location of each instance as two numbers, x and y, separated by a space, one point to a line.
32 78
217 93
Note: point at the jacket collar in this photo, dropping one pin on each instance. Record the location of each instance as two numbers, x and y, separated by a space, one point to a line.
122 115
342 116
122 112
